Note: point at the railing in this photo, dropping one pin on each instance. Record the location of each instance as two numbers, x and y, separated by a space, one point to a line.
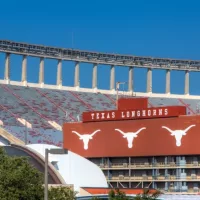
42 116
17 116
190 109
178 191
83 102
149 165
24 102
52 102
153 178
150 104
110 98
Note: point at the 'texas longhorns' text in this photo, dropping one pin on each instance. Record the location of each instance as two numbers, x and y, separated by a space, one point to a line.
133 114
130 114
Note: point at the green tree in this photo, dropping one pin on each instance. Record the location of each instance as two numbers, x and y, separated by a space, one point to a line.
147 195
18 179
61 193
95 198
21 181
117 195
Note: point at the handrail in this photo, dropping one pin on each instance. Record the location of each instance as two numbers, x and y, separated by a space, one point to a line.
126 165
151 105
66 100
83 102
17 116
190 109
111 99
51 101
152 178
22 100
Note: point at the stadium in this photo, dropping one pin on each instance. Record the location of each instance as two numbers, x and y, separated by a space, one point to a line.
39 114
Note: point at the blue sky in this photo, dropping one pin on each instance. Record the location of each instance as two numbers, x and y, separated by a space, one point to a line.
148 28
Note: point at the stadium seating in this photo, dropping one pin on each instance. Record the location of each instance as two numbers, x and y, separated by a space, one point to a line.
46 110
193 105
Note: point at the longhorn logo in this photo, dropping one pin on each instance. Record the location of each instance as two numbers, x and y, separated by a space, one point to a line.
130 136
86 137
178 134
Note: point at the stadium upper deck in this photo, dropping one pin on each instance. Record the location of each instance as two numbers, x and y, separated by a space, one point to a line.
79 56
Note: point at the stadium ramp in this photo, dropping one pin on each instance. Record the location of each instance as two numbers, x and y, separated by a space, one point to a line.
11 138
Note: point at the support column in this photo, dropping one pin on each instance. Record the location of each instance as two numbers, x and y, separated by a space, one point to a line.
24 70
76 75
59 73
94 77
130 80
112 77
149 80
41 73
167 88
187 82
7 68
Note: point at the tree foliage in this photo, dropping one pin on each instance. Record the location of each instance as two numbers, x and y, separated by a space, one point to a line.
62 193
21 181
147 195
119 195
18 179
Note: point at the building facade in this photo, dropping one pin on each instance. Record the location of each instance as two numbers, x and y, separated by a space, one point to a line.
158 150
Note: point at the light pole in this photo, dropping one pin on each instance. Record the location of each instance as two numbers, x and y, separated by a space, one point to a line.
117 88
51 151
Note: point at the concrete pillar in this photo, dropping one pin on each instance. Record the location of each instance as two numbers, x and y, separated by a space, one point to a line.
7 67
94 76
112 77
167 88
166 186
149 80
41 72
59 73
24 69
130 79
166 160
186 82
76 75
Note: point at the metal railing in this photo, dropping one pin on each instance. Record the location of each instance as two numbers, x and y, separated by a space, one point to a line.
153 178
150 165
